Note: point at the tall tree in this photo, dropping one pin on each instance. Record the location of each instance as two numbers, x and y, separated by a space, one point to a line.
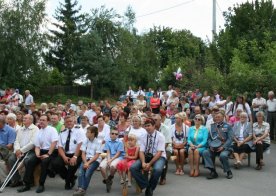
21 43
65 39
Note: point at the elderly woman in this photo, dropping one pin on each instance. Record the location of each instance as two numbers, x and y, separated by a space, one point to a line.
137 129
114 118
261 138
179 132
197 140
242 139
11 121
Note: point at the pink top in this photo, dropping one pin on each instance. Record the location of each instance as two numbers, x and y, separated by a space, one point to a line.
233 119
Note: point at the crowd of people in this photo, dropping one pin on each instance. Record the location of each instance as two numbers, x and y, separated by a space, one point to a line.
135 136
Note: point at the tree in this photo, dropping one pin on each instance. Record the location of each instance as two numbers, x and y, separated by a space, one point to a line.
65 39
21 43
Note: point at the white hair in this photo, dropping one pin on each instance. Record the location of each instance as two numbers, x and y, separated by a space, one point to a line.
12 116
271 93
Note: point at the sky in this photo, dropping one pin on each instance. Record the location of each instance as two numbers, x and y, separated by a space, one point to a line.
192 15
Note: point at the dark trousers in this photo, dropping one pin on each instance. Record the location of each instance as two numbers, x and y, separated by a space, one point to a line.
165 170
12 160
242 149
260 148
66 173
30 165
271 119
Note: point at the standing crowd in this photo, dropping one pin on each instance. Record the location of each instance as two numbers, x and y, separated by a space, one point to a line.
135 137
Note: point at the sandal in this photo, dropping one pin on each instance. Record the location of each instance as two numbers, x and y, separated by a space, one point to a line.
181 173
177 172
192 173
196 174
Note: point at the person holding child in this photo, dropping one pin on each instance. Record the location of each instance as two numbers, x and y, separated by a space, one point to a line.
114 154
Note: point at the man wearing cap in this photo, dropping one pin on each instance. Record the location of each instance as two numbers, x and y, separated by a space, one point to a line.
152 154
219 140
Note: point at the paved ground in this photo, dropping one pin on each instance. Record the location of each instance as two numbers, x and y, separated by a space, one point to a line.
247 182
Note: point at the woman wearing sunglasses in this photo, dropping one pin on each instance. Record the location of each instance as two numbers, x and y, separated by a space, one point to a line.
197 140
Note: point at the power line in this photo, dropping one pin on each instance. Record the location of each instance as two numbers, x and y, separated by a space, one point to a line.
221 15
162 10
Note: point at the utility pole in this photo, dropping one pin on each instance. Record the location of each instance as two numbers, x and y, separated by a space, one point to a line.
214 19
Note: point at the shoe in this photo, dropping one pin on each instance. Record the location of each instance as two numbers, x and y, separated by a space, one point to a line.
129 184
67 186
162 181
177 172
40 189
262 163
23 189
181 172
148 192
16 183
258 167
239 164
108 185
229 175
79 192
212 175
122 181
104 181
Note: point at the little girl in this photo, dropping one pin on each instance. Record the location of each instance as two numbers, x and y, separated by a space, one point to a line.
131 156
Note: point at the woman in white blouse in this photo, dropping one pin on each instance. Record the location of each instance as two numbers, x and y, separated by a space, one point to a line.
261 138
137 129
179 133
103 130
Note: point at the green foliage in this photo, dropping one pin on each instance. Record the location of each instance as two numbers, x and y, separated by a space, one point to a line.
22 43
66 39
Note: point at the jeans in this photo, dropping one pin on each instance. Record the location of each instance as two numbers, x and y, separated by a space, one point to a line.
85 175
142 181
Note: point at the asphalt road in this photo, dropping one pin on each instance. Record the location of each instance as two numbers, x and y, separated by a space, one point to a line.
246 182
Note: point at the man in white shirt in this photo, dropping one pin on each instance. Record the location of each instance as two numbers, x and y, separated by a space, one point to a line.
258 104
45 143
152 154
165 130
140 92
21 99
91 113
170 91
24 143
271 114
28 99
130 93
69 159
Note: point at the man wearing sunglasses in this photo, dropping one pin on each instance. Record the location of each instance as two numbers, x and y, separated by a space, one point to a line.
114 153
152 154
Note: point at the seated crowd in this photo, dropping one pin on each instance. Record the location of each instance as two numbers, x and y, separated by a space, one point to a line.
137 135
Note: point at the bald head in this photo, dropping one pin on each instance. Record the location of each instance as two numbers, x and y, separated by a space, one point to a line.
28 120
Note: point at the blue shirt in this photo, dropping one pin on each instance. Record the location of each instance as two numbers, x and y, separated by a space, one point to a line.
114 147
7 135
199 139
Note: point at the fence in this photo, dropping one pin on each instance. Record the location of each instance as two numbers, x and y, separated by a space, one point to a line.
80 91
